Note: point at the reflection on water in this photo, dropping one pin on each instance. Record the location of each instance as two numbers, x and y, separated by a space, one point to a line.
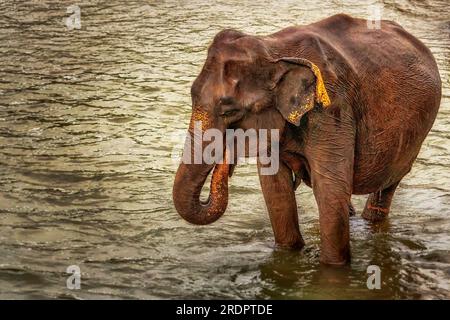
87 125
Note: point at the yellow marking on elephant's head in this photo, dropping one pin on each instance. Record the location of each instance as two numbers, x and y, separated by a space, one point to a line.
299 111
294 116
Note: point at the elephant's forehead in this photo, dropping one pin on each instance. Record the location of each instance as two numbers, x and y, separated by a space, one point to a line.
223 57
243 51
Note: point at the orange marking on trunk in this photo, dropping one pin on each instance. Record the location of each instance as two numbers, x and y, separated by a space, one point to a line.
384 210
202 116
219 187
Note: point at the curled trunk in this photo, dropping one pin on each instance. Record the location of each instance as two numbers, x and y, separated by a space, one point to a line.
188 185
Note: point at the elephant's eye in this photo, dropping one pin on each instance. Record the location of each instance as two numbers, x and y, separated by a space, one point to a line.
229 113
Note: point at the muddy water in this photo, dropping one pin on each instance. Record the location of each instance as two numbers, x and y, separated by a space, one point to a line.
88 122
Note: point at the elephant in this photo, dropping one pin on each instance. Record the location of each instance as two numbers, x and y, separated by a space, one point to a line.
352 104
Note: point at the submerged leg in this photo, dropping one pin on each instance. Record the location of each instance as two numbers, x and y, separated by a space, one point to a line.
278 191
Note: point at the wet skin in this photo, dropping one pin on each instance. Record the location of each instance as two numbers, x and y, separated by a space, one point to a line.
353 106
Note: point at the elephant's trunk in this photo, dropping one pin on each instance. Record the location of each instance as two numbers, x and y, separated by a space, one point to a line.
189 181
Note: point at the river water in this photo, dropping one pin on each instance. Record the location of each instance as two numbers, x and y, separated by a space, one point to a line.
90 121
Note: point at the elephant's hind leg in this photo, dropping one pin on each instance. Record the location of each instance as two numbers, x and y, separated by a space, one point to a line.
378 204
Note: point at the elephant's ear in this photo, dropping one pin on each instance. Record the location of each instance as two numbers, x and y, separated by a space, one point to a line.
298 86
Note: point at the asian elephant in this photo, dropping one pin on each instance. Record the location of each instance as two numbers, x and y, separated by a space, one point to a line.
352 105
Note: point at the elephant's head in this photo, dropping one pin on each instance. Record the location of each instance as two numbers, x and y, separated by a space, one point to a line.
243 84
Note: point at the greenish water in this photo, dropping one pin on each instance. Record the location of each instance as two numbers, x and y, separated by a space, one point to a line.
89 119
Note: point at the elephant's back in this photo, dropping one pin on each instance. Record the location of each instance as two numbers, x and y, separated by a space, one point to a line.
369 52
382 61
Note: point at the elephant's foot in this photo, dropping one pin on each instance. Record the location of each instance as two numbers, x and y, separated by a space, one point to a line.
375 214
295 244
378 204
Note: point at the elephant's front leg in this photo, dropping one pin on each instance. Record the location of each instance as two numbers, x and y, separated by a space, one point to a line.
330 152
278 190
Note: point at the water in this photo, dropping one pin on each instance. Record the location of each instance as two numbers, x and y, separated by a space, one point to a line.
88 122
